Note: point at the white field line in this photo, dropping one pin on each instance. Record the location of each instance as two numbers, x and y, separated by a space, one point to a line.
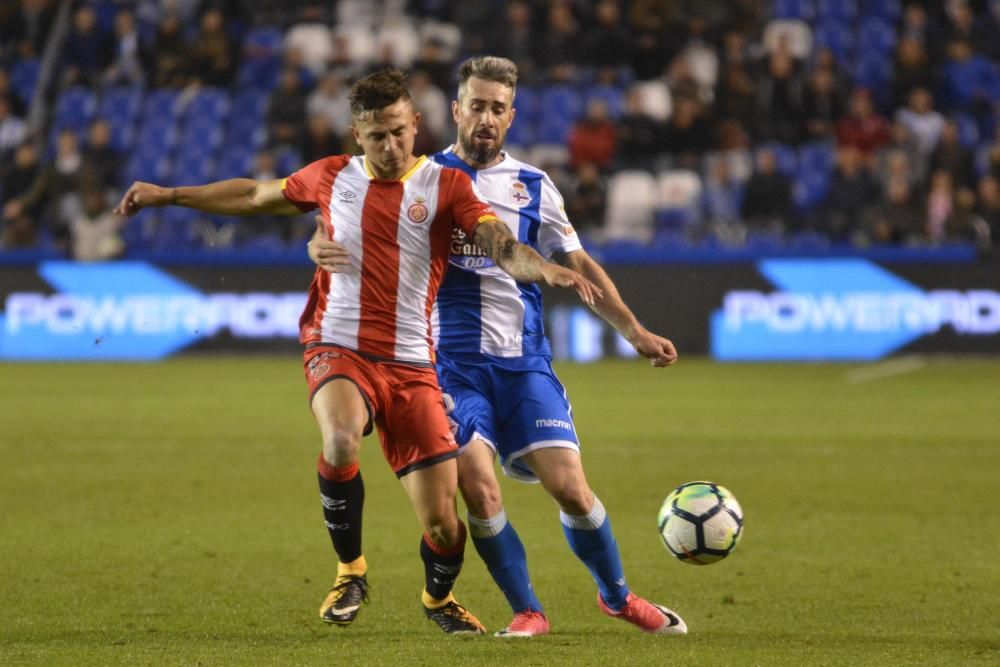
886 369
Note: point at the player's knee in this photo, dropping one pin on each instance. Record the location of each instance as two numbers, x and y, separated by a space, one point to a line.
341 446
574 498
444 533
482 497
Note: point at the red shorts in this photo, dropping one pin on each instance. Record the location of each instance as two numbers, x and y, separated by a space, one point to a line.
404 402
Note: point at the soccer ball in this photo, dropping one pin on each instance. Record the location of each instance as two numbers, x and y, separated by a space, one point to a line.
700 522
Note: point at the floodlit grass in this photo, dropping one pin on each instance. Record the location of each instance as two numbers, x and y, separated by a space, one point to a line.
168 514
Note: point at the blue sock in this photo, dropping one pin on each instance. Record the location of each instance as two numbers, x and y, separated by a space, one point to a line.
591 540
501 549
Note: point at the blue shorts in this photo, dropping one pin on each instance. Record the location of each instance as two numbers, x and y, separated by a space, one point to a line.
513 411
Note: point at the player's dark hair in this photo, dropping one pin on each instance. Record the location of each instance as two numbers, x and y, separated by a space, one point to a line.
377 91
489 68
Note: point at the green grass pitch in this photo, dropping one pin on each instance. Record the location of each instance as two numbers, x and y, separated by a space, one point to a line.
168 514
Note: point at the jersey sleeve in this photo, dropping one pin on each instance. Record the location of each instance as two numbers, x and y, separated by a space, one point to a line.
468 205
555 233
301 188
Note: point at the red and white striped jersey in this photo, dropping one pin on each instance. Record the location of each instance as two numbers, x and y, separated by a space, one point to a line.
398 234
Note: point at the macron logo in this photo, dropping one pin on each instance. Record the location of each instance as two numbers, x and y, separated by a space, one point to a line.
553 423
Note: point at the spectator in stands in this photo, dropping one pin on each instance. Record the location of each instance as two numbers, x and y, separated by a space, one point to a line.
286 111
54 194
681 80
593 138
824 105
735 97
126 68
779 111
966 79
517 39
917 26
722 199
587 198
12 130
18 221
940 203
26 27
896 218
980 34
213 54
922 121
94 230
310 36
87 51
701 58
167 57
951 156
863 129
825 60
17 108
638 134
650 22
965 224
562 43
100 162
852 191
911 69
320 140
435 112
687 134
993 156
433 58
902 141
768 196
330 99
607 42
989 206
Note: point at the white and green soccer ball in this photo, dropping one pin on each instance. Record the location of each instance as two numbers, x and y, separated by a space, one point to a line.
700 522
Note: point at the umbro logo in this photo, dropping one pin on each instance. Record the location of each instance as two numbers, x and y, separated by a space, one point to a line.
347 197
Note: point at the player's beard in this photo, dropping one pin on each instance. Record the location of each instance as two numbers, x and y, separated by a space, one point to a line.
481 156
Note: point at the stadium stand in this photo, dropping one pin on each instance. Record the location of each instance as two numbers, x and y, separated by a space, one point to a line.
745 70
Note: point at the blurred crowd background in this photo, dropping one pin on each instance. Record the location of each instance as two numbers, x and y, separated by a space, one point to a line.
795 124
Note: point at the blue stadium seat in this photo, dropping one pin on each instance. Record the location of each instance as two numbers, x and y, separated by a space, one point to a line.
612 96
844 11
836 37
887 10
235 161
162 102
817 156
75 109
121 103
177 229
788 161
528 104
876 35
151 166
794 9
24 77
873 71
522 132
561 100
202 133
810 188
287 161
209 104
192 169
263 43
968 129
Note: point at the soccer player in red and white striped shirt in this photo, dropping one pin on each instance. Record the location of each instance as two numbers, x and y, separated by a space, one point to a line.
367 332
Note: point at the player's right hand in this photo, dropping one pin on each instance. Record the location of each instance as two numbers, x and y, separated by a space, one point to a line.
141 195
325 253
560 276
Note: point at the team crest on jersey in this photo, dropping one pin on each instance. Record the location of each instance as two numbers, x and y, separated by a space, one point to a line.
518 192
417 212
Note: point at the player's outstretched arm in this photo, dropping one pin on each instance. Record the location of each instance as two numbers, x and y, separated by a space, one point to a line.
660 351
523 264
237 196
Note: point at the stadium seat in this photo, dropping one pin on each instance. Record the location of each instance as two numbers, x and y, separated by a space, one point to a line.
546 156
561 106
876 35
400 37
75 109
873 71
836 37
887 10
968 129
631 200
162 102
677 198
817 156
787 159
209 103
612 96
522 131
236 161
23 78
803 10
655 100
810 188
843 11
798 33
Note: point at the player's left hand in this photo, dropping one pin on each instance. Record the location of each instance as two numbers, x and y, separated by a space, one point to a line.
327 253
559 276
658 350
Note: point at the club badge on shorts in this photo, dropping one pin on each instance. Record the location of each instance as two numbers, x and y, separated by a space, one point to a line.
417 212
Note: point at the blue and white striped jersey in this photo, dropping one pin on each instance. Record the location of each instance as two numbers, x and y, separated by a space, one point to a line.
480 310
